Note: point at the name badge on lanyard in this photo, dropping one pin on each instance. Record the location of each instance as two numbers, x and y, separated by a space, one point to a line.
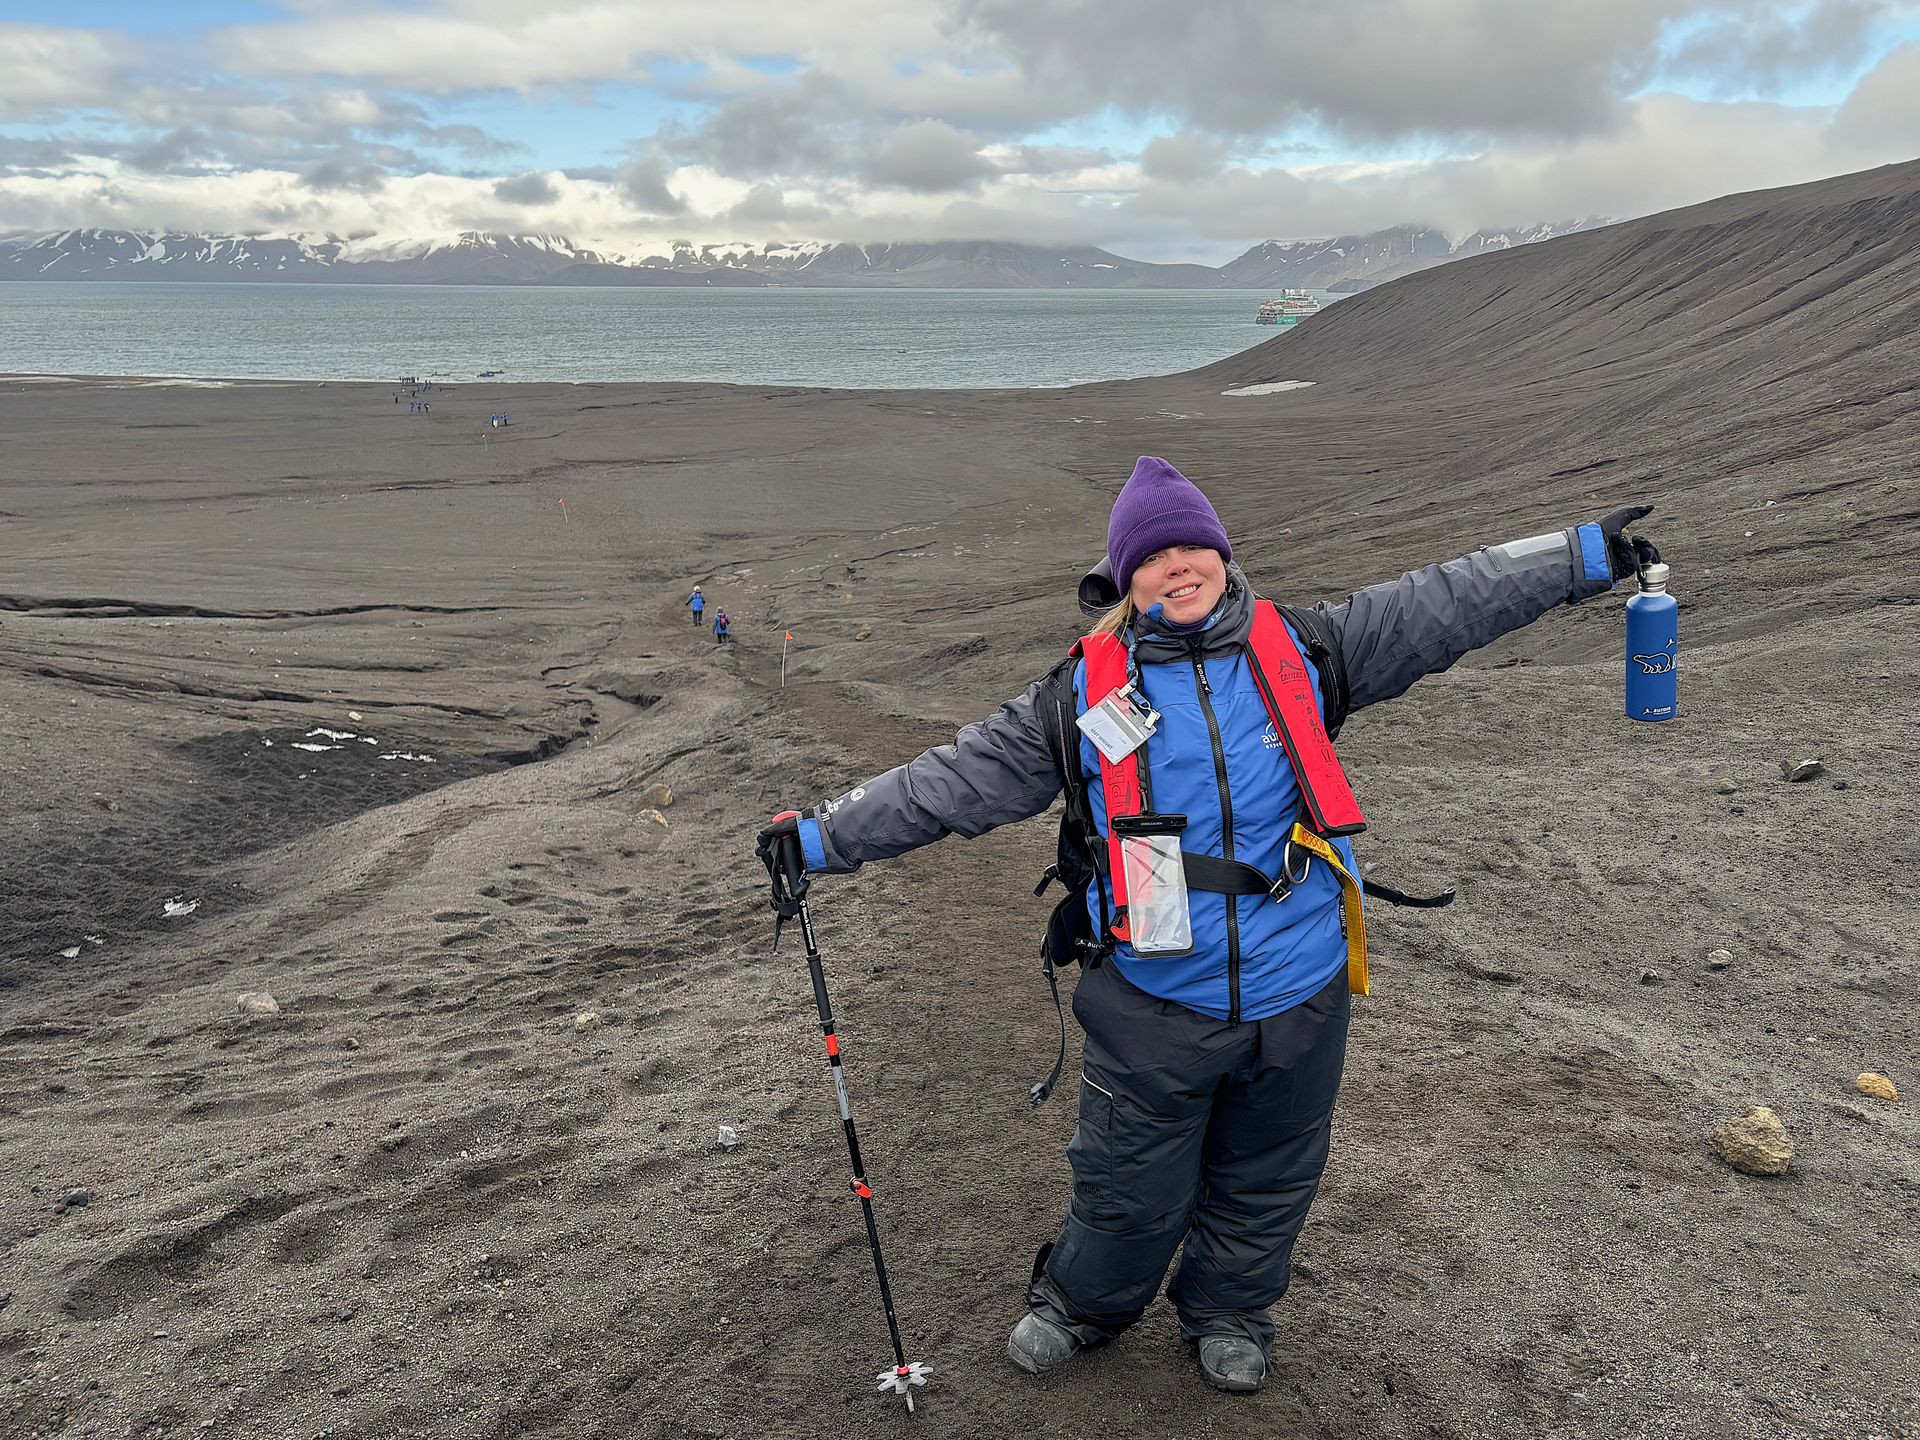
1119 724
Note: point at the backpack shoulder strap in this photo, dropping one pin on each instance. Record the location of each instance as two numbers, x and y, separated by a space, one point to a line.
1065 926
1057 710
1323 648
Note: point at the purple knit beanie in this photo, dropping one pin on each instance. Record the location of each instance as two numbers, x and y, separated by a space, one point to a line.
1158 507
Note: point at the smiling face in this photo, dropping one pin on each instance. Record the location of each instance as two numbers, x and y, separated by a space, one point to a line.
1186 581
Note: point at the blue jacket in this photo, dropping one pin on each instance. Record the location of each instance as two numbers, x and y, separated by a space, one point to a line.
1007 768
1251 957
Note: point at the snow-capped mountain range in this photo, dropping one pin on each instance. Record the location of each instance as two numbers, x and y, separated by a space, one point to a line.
1355 262
474 256
478 257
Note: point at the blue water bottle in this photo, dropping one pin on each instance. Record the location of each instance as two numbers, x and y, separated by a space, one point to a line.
1653 647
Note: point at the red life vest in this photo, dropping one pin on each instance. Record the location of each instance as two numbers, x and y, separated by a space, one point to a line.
1280 673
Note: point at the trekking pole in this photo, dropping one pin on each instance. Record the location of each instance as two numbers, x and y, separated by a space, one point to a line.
789 874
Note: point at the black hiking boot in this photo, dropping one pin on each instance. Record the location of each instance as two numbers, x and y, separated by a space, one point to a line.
1038 1345
1232 1362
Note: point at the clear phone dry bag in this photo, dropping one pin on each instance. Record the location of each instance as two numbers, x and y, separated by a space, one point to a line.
1157 917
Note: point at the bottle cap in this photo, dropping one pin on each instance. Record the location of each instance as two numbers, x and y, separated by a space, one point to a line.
1654 576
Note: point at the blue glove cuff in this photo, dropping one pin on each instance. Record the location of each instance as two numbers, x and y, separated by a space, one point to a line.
1595 562
812 848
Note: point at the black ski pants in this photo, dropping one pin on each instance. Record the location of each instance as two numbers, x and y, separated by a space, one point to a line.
1197 1130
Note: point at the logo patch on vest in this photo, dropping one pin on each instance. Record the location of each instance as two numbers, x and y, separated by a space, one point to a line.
1270 737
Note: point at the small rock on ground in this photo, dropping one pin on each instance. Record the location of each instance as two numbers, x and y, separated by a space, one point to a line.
1719 959
1877 1085
1803 770
1755 1144
657 795
256 1002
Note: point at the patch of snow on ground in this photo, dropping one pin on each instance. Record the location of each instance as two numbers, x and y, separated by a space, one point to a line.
1272 388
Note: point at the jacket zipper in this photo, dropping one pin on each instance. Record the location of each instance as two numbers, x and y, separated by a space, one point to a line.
1226 834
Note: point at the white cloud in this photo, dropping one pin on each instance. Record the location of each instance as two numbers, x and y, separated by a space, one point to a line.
963 119
1407 69
1185 156
1667 151
1883 112
929 157
1764 46
531 189
44 66
458 45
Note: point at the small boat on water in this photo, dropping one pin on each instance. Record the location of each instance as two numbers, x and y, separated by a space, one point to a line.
1290 308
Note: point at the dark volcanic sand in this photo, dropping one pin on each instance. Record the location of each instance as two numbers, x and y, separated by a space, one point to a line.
423 1201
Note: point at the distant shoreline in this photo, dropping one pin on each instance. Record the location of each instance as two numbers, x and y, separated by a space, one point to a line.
781 289
451 384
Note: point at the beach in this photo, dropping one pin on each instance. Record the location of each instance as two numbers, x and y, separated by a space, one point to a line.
463 1179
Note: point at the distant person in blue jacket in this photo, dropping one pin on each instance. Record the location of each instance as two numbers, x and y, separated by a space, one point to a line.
697 603
722 628
1215 1000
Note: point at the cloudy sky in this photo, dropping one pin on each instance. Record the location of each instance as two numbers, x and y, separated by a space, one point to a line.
1165 129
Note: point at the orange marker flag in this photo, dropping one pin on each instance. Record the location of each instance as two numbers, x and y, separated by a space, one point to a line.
789 635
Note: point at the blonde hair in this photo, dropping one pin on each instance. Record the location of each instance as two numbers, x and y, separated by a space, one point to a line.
1116 619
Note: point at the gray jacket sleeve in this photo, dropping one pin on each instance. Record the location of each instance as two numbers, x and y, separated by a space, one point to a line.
996 771
1394 632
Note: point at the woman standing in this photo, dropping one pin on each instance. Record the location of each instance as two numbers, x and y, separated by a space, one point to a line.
1220 929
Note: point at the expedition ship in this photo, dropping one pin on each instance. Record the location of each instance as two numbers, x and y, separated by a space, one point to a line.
1290 308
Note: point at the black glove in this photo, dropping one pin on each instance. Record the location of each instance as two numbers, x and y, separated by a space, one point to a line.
781 838
778 847
1628 555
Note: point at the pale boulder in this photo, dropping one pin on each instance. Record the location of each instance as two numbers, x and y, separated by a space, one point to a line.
1755 1144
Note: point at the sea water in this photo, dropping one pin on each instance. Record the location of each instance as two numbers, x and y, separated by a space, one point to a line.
853 338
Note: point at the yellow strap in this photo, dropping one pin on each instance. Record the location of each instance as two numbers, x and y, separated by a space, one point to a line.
1352 919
